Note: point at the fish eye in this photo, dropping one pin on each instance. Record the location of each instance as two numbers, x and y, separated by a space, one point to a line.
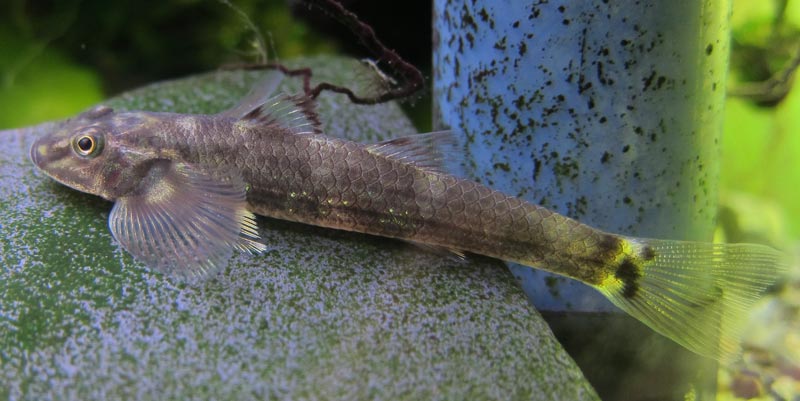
87 145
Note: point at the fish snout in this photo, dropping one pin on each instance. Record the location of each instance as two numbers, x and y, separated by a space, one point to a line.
46 151
38 153
46 155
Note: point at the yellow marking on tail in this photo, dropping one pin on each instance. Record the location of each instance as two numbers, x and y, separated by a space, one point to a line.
697 294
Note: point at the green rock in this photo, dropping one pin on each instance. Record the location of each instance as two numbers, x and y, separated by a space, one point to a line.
321 315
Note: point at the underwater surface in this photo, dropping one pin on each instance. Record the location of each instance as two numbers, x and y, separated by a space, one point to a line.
328 313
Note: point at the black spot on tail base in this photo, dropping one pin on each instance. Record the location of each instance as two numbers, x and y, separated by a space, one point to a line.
629 273
648 253
609 245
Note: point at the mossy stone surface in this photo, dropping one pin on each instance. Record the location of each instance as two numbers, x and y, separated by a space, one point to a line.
321 315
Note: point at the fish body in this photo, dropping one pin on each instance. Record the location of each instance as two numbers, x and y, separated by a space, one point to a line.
330 182
186 188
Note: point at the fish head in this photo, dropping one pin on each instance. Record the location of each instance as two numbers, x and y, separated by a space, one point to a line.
92 152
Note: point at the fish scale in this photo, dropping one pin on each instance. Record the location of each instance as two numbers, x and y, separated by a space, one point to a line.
381 196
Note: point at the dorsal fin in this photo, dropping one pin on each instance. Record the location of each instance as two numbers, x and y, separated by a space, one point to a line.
261 106
431 151
262 91
293 112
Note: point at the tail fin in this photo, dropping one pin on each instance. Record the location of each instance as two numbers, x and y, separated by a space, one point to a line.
697 294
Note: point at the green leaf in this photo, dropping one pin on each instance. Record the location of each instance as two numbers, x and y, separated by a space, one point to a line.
322 315
46 84
760 150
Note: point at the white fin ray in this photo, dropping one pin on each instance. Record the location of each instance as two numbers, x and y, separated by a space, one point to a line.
697 294
295 113
451 253
263 90
263 107
431 151
184 222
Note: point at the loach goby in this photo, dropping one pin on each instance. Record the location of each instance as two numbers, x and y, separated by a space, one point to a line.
186 187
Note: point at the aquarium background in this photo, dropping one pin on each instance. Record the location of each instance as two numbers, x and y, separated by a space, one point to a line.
57 58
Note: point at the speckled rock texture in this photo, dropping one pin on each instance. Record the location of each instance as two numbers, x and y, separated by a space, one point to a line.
321 315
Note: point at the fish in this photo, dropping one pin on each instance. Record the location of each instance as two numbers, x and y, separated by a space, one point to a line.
187 188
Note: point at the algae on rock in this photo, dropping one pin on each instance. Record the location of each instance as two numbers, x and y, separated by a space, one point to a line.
321 315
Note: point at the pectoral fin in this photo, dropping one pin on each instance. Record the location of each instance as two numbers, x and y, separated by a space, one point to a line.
185 222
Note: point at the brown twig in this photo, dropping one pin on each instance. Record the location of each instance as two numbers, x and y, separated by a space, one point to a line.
772 90
410 77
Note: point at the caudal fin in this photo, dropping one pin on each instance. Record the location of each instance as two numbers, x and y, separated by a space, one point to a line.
697 294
